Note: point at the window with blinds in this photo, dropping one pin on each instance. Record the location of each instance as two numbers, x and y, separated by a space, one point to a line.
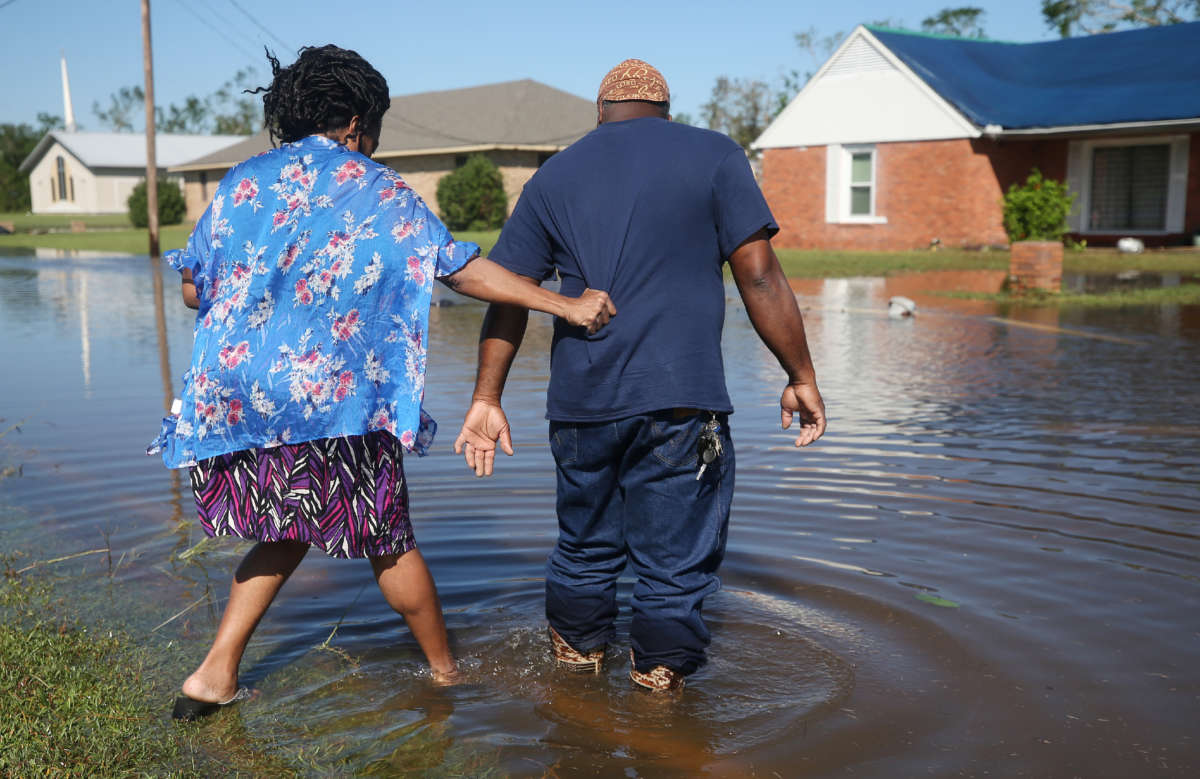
1129 187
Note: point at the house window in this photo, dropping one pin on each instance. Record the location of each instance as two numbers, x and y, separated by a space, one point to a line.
460 160
851 183
862 183
1128 185
61 166
71 188
53 191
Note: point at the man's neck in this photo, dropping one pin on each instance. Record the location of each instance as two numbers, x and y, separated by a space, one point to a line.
630 109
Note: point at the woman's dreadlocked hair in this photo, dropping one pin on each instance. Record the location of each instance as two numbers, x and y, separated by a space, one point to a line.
321 91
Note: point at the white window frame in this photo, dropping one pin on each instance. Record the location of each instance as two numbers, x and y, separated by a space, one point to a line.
838 167
1080 156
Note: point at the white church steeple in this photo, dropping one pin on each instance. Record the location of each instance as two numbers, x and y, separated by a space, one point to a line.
68 110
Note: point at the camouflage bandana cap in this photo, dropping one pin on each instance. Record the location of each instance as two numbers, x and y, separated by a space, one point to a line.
634 80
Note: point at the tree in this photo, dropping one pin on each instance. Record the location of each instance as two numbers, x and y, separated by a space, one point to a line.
123 107
472 197
963 22
1097 16
235 110
171 205
740 108
227 111
16 143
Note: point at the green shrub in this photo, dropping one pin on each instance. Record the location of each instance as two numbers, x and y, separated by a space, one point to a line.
472 197
171 205
1037 210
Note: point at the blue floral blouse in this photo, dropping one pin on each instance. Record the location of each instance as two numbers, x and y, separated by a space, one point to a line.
314 267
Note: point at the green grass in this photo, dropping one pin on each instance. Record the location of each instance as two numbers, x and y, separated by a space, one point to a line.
813 263
1184 295
23 223
116 241
485 238
1112 261
74 701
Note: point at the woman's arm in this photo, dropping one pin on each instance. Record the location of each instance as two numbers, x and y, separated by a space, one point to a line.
190 299
483 279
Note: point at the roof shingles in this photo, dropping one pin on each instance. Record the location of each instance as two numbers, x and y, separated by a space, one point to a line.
512 113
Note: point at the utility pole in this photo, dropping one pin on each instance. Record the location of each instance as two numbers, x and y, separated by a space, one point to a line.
151 159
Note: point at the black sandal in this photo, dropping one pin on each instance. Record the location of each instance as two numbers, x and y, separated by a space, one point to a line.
189 709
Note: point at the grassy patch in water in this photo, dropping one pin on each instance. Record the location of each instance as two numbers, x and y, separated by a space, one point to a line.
116 241
80 695
816 263
74 700
1183 295
23 223
1183 261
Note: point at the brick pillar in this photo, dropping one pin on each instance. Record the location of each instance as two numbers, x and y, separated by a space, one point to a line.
1036 265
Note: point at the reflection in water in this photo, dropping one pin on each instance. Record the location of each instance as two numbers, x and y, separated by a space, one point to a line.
987 566
85 336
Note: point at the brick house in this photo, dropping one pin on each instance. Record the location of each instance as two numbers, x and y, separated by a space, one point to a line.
516 124
903 139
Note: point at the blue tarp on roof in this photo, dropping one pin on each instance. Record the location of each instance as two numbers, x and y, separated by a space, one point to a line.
1139 75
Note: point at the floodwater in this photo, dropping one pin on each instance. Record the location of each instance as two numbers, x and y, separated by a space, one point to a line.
990 565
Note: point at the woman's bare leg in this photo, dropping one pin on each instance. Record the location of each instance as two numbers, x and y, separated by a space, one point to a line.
258 578
407 585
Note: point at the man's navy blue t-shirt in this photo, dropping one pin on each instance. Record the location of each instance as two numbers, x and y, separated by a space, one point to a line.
649 211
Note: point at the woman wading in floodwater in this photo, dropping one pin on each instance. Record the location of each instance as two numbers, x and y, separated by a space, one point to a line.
312 271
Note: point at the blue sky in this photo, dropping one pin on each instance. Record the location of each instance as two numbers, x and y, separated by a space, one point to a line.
435 45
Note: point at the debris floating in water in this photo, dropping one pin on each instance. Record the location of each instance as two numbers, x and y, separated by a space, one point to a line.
1130 245
901 306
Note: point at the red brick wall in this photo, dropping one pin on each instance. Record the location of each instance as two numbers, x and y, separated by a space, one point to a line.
948 190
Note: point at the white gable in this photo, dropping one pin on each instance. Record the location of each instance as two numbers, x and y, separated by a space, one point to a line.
864 94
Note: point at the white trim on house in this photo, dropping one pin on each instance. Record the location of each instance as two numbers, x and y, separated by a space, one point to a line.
865 94
1079 178
1166 125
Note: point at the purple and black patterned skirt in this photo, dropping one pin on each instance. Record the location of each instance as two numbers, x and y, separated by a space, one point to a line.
346 496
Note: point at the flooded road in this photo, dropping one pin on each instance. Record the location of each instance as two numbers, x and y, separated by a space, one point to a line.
990 565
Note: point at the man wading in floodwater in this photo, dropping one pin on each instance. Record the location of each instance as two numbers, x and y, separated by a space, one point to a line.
647 210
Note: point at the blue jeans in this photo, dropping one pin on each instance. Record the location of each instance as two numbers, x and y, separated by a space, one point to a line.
627 491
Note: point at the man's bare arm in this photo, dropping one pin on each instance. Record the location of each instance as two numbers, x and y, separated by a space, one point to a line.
772 308
485 423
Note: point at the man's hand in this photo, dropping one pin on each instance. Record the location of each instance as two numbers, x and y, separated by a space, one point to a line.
803 399
592 310
484 425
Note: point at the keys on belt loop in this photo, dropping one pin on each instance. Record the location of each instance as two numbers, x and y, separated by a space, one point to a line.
708 447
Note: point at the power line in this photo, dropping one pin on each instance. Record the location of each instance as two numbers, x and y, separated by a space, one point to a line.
214 28
260 26
7 4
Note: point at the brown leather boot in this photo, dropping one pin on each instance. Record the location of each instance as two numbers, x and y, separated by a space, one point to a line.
567 657
658 679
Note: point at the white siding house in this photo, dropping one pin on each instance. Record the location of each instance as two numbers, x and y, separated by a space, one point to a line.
93 173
